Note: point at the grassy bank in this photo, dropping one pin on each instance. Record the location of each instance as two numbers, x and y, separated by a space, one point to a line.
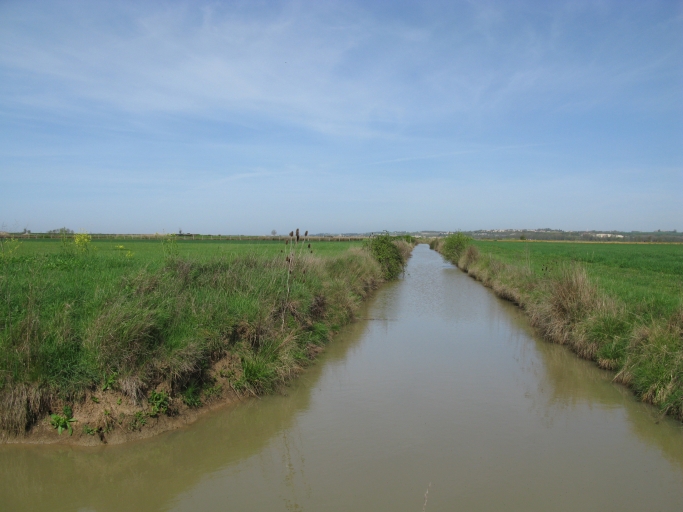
619 305
117 335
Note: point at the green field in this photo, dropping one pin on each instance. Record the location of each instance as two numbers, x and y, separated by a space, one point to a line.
648 277
152 252
133 315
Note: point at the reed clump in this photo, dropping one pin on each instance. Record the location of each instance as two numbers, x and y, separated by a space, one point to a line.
568 307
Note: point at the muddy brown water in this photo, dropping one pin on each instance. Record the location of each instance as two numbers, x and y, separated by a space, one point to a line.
442 388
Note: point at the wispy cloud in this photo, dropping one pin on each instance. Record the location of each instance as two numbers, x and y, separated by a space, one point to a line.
329 67
220 94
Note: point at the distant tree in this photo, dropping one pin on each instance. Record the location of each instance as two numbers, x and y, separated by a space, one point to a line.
273 232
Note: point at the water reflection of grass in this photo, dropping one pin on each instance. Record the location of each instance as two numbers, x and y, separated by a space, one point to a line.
568 383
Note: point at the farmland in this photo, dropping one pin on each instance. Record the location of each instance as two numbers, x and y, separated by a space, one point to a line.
648 277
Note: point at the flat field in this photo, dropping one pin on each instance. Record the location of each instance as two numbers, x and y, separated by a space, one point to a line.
64 276
646 277
152 251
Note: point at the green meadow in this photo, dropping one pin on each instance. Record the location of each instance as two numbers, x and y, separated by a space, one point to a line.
648 277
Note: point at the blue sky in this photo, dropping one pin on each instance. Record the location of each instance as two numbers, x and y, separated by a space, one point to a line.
242 117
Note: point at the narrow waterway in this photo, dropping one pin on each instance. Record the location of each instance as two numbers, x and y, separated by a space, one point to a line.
442 387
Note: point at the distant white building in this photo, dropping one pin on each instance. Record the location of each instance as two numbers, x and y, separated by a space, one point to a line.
607 235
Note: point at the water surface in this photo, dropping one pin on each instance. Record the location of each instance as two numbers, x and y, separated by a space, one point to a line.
442 386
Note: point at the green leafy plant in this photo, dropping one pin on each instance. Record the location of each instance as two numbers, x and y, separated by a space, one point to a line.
109 421
109 381
87 429
388 255
159 401
138 421
226 374
454 245
213 391
63 421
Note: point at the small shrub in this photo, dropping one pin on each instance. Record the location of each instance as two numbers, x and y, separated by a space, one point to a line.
388 255
454 245
610 331
573 296
169 245
8 248
469 256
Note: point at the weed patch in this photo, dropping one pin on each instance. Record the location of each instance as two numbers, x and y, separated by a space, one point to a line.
139 420
63 421
158 401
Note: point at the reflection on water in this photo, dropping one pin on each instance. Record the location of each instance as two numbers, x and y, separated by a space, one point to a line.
442 383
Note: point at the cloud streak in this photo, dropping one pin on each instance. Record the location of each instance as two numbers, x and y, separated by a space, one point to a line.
211 92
